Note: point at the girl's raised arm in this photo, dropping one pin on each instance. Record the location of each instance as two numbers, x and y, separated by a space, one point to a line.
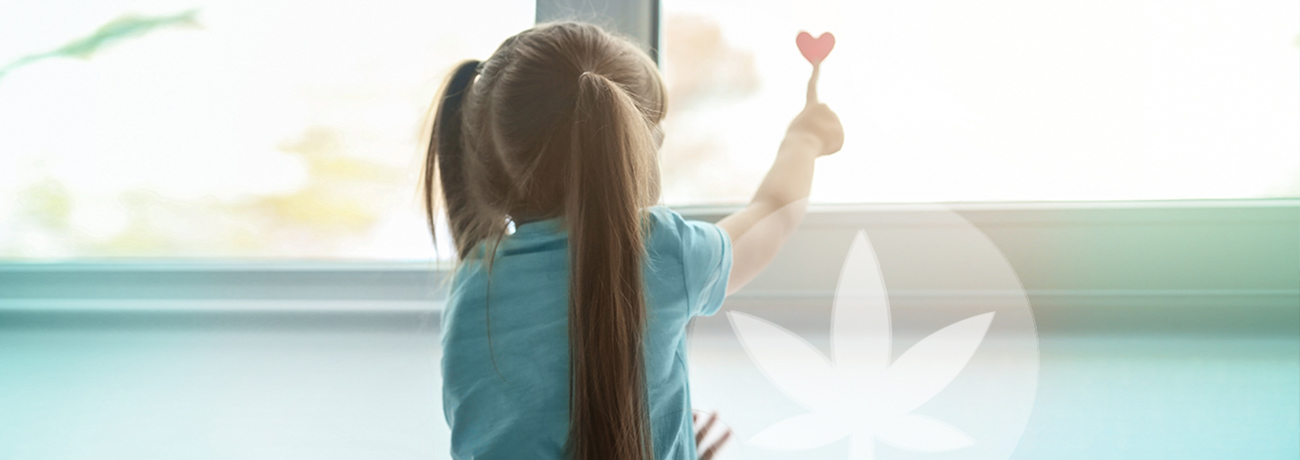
760 229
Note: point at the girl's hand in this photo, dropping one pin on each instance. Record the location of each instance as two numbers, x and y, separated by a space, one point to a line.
702 432
816 124
759 230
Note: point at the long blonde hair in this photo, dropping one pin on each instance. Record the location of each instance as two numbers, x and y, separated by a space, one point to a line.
558 123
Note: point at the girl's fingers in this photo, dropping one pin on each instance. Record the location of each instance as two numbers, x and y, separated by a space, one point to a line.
812 85
712 450
703 431
707 453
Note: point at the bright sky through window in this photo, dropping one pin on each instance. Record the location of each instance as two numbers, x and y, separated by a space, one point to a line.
288 129
993 100
244 128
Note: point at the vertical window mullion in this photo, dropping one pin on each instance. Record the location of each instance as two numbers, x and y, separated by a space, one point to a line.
635 19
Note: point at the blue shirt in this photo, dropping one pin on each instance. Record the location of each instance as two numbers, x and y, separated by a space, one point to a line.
508 397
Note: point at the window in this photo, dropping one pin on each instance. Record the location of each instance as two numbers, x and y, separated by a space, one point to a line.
991 101
234 128
281 129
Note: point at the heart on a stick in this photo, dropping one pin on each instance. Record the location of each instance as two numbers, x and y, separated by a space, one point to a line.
815 49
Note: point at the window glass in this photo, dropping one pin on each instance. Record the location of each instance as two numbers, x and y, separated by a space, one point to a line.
225 128
1004 100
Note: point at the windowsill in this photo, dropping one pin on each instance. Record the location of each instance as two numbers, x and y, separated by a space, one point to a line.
1106 242
818 213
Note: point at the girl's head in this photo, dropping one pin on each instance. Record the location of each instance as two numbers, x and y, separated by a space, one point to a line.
560 122
559 110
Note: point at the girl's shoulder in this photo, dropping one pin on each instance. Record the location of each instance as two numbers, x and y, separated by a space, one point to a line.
666 228
666 223
701 249
662 218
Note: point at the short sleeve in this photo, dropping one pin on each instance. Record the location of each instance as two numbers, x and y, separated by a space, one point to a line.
706 262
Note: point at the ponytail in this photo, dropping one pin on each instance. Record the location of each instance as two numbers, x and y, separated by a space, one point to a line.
610 139
445 160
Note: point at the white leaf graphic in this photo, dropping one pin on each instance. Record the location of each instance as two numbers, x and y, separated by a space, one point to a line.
923 434
787 360
930 365
860 325
859 394
801 432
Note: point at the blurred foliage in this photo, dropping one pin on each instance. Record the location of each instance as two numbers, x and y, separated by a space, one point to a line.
702 66
340 201
702 71
122 28
47 203
330 203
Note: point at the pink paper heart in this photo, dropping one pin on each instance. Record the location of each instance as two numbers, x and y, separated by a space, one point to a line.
815 49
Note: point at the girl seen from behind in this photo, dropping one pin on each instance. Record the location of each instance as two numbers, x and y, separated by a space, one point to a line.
565 339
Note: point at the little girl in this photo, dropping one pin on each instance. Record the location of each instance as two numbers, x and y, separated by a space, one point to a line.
565 339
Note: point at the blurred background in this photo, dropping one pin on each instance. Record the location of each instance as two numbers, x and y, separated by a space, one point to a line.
211 245
269 129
